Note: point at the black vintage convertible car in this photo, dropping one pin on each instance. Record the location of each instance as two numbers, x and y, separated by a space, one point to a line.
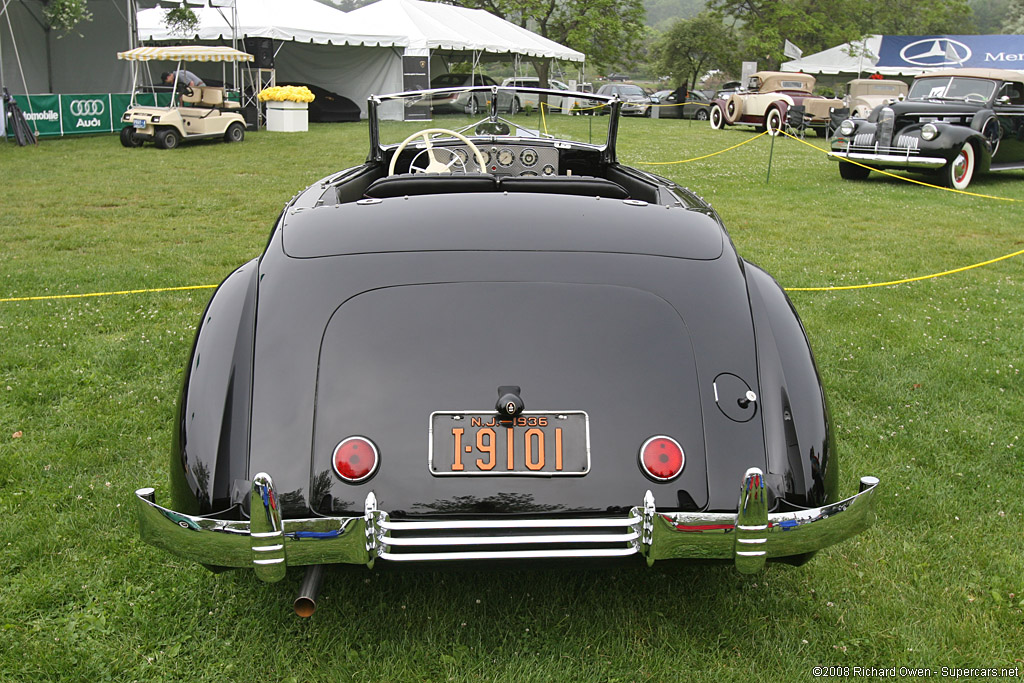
953 124
489 343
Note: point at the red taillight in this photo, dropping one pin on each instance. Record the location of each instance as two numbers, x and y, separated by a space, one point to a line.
356 459
662 457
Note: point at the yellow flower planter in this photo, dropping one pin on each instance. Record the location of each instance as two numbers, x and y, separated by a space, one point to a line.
287 116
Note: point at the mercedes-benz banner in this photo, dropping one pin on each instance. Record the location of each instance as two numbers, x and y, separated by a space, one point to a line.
952 52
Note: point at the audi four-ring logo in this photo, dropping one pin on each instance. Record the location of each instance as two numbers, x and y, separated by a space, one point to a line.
935 52
87 107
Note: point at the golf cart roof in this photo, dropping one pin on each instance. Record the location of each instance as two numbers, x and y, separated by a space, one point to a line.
187 53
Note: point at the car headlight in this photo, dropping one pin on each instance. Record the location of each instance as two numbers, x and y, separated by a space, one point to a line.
929 131
156 119
847 127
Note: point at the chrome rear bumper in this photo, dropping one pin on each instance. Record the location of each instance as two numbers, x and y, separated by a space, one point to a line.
269 544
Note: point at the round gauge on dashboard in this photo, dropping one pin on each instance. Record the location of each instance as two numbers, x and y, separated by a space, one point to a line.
528 157
548 170
462 154
528 173
506 157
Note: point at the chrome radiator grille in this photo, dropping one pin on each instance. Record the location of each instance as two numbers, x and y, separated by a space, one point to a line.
886 121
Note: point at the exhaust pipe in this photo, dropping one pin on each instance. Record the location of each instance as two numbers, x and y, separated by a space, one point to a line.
305 603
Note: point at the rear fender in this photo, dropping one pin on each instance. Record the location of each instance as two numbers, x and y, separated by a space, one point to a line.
211 436
798 431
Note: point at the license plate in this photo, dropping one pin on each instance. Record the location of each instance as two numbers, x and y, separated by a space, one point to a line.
139 123
535 443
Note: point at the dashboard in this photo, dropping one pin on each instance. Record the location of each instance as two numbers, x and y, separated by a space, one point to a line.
502 159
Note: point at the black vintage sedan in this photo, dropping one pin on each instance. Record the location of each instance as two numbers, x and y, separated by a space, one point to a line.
329 107
953 123
485 344
682 103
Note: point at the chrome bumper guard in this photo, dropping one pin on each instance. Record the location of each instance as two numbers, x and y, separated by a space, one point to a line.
269 544
891 157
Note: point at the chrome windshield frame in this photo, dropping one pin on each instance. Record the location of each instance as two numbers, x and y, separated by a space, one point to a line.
373 105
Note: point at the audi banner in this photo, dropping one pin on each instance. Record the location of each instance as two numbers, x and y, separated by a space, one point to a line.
948 52
74 114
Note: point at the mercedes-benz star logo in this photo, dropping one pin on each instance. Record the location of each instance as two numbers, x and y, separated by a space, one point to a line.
935 52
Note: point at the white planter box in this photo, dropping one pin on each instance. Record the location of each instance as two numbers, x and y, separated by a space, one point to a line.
287 117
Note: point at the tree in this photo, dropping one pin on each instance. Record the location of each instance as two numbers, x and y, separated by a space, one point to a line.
607 31
991 15
766 24
64 15
690 47
1014 23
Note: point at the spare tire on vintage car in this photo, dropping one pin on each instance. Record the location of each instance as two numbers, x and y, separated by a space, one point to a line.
734 108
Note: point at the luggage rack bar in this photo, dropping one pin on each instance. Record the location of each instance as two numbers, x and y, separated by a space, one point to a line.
398 540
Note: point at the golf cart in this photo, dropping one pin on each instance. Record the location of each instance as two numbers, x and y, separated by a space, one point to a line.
195 112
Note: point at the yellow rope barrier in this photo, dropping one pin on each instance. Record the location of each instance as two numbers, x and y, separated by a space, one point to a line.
788 289
833 288
92 294
905 280
706 156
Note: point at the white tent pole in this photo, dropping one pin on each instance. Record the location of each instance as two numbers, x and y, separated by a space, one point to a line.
2 11
234 42
17 58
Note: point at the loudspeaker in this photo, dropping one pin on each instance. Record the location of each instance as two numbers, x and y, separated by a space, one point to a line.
263 50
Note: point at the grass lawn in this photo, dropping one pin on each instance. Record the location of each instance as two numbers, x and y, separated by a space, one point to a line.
923 379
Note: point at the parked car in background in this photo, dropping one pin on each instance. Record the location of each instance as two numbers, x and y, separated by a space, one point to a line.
864 94
329 107
767 99
682 104
726 89
636 102
467 102
411 373
953 123
532 101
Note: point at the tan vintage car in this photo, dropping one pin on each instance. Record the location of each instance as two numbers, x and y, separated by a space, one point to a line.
767 100
195 113
864 94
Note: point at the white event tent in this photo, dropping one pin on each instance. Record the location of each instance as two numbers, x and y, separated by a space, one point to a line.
852 59
359 53
451 30
355 54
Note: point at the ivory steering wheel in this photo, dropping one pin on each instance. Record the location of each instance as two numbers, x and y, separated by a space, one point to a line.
435 166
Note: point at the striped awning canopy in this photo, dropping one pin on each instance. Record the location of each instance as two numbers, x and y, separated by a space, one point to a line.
186 53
